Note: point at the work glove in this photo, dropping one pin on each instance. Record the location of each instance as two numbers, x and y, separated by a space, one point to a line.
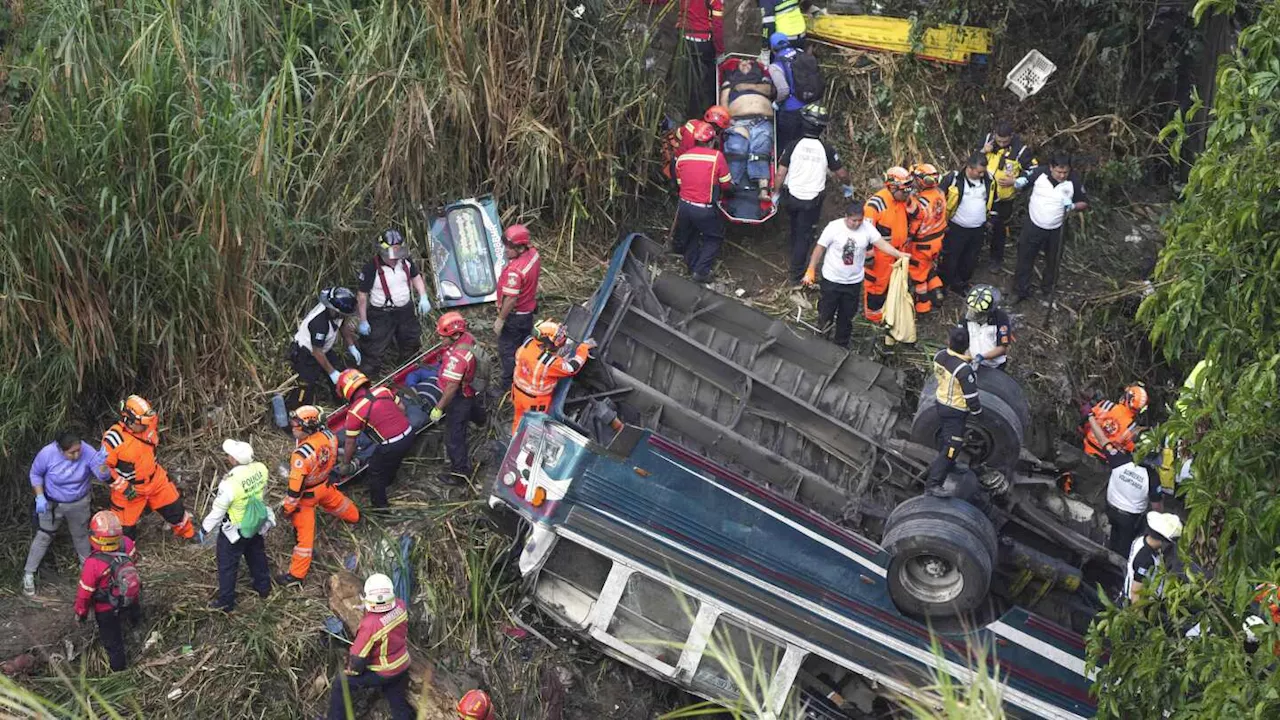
977 360
42 504
810 277
354 352
80 618
424 305
775 199
289 506
205 539
363 327
333 377
847 190
436 414
346 469
130 492
1020 183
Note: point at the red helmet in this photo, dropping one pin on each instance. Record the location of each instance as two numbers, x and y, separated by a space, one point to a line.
718 115
450 324
1135 396
702 130
475 705
105 531
517 235
349 381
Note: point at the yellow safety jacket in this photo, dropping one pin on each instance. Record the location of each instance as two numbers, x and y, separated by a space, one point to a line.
248 481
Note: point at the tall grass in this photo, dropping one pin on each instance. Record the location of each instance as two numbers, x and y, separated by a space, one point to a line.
178 177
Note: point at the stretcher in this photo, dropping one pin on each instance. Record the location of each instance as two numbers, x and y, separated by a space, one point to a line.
750 146
956 44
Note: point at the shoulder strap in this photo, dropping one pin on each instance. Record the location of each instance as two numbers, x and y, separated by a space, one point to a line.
386 289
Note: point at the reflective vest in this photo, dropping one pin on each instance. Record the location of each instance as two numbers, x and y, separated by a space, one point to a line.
1117 423
782 16
247 481
538 369
130 458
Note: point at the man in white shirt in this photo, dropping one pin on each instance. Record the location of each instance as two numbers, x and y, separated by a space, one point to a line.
969 200
384 303
802 171
1132 490
842 251
1055 191
311 355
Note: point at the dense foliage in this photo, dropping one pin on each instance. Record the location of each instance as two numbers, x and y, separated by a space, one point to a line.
1219 304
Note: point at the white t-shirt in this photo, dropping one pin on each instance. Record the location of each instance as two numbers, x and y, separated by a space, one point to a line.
846 250
1047 206
1128 488
971 212
807 163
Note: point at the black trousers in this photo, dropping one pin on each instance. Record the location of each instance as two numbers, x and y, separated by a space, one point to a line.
788 124
254 552
399 325
515 331
803 215
699 235
314 386
394 689
1124 528
700 76
111 634
1030 244
960 249
842 302
461 411
950 440
998 221
383 466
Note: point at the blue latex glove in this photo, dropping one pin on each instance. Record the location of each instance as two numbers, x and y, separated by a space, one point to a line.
363 328
355 354
1020 183
436 414
333 377
847 190
424 305
977 360
42 504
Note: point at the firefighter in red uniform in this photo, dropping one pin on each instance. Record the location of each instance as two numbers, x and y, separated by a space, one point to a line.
519 295
702 173
109 585
890 210
927 232
680 140
539 367
376 409
139 482
701 25
379 655
457 396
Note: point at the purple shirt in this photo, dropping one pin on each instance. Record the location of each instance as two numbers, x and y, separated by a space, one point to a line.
66 480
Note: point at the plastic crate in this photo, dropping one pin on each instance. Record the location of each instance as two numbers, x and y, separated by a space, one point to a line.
1029 75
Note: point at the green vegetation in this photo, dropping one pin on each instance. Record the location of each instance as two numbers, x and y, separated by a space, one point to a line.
1218 303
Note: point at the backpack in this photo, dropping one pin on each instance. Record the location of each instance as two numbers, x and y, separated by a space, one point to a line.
480 382
125 585
255 516
806 81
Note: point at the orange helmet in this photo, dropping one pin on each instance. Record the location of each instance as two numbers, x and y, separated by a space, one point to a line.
718 115
349 381
135 409
450 324
702 130
307 417
1135 396
105 531
897 178
517 236
925 174
550 332
475 705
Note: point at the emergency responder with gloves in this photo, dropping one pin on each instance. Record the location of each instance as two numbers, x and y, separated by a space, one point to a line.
311 354
139 481
376 410
458 404
379 655
309 466
384 302
802 172
702 174
519 298
110 585
539 366
1056 190
990 329
241 516
957 395
60 477
1146 554
890 211
1114 424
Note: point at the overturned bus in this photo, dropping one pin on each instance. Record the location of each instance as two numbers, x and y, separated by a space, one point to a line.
734 505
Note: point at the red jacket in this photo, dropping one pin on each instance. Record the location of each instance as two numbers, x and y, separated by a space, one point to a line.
95 576
702 20
382 642
701 173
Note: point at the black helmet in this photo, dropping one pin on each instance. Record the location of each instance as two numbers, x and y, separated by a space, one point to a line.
338 299
391 245
816 114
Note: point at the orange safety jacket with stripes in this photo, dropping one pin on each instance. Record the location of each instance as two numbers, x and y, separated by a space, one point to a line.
311 462
131 458
381 643
538 369
930 221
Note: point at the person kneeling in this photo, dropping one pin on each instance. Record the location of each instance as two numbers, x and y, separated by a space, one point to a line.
379 657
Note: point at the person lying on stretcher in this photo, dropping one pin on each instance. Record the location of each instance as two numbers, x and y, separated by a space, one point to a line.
749 140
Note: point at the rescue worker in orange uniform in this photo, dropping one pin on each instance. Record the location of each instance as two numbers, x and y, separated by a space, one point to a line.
457 396
891 211
309 486
139 482
927 232
475 705
1114 426
539 366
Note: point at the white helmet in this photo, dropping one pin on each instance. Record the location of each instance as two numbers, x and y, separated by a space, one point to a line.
1167 525
379 593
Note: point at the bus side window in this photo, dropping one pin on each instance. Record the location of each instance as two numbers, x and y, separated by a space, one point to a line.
737 660
654 618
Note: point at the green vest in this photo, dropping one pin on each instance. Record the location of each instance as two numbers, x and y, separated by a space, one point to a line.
248 481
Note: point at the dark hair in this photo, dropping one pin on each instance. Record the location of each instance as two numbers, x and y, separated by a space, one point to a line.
1060 160
977 160
855 208
958 338
67 439
1003 128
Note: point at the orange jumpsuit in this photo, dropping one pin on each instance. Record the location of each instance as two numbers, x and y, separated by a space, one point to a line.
131 458
1117 421
892 219
309 467
537 372
927 231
